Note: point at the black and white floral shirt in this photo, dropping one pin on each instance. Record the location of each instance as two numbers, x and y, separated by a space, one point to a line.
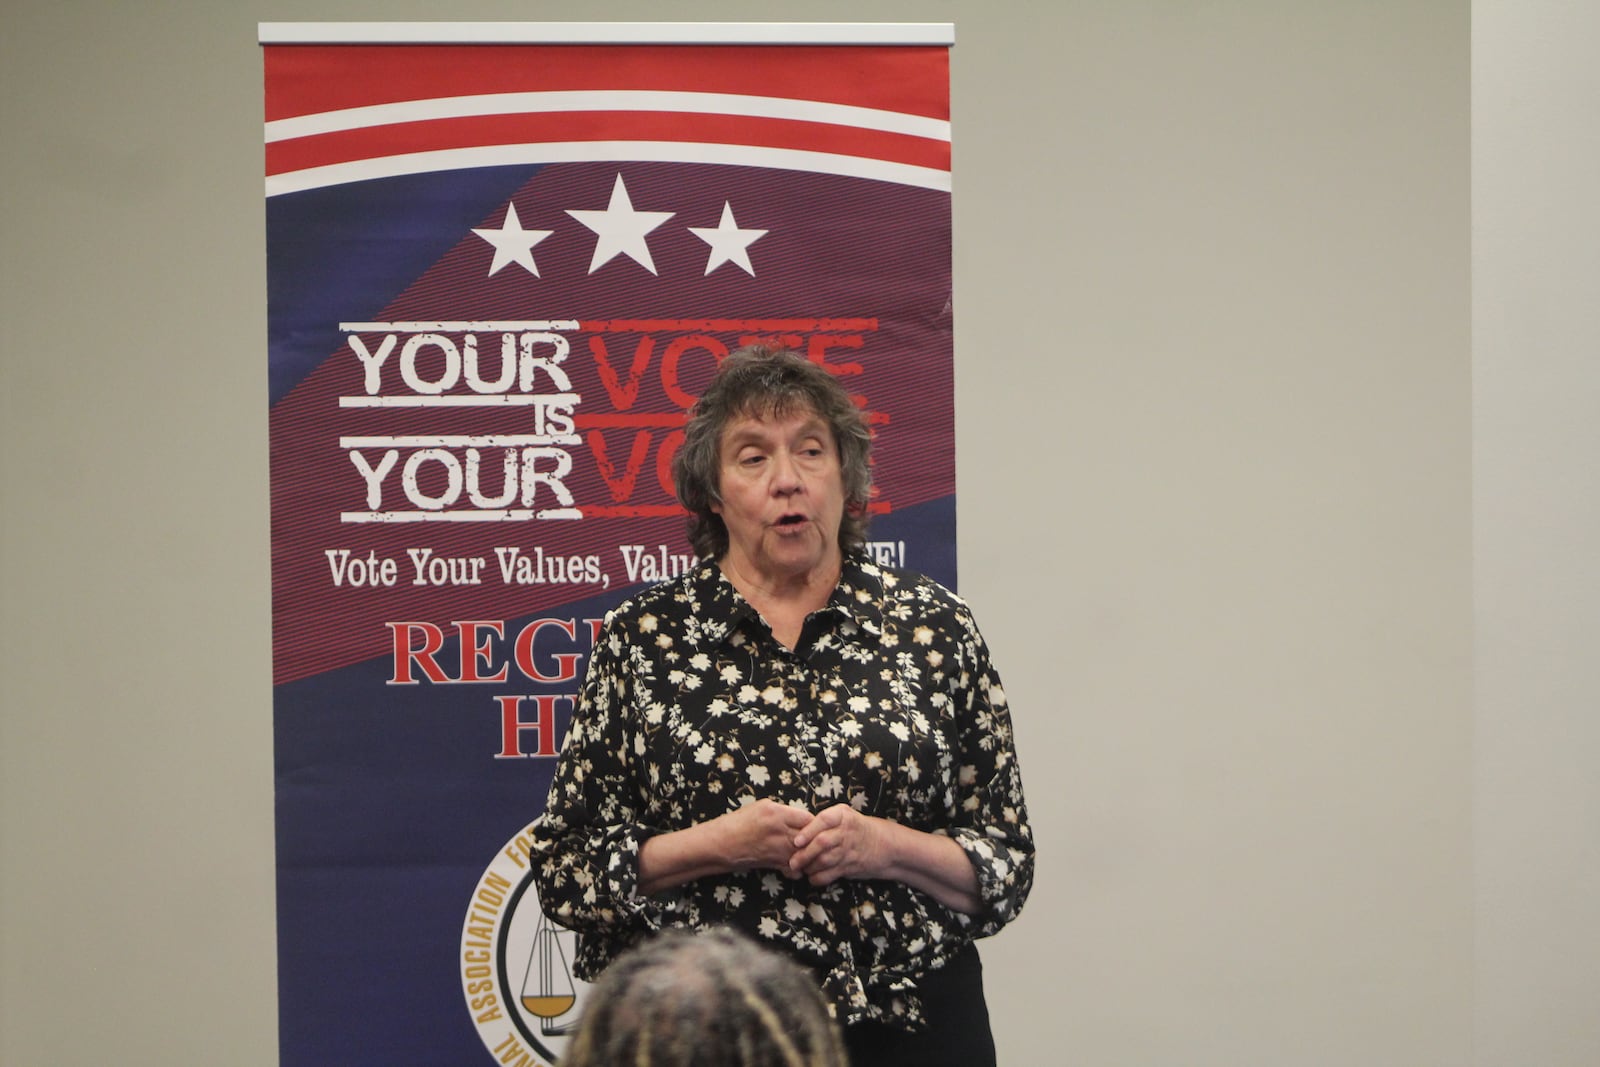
691 707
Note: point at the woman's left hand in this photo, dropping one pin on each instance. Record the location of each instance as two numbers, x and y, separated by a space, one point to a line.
840 842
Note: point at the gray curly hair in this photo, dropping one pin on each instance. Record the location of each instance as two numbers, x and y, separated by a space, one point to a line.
761 382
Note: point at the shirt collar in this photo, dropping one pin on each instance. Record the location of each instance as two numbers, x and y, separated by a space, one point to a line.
721 609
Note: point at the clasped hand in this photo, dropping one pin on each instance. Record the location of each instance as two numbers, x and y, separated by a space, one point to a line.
837 842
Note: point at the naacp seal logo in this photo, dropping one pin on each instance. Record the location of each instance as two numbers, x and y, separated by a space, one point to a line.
515 965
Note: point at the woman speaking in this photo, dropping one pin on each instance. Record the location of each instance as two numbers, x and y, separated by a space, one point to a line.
794 741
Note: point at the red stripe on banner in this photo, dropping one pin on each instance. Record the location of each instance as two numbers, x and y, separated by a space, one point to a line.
311 79
666 420
662 511
667 511
377 142
660 420
730 325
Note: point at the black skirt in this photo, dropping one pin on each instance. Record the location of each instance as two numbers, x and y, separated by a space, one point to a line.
957 1030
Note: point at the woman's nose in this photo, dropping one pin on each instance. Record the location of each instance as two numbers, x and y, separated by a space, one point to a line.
785 475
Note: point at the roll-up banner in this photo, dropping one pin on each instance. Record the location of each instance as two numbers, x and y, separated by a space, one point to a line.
503 259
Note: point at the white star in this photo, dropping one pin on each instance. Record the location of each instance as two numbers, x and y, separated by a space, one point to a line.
513 244
729 244
621 229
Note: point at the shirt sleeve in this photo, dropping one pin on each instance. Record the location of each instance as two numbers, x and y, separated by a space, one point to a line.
991 816
585 849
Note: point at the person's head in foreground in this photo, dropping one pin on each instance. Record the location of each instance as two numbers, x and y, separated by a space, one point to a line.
712 999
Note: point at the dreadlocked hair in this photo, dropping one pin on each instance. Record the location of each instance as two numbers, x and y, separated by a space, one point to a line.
709 999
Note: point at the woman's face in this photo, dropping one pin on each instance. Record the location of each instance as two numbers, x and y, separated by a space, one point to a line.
782 495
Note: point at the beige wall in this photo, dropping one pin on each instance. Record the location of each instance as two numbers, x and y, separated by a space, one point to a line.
1536 524
1215 417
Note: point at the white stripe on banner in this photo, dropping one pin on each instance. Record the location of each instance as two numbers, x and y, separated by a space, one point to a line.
767 107
607 151
492 400
778 33
491 440
510 515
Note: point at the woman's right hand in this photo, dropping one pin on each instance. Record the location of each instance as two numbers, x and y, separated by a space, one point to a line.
758 835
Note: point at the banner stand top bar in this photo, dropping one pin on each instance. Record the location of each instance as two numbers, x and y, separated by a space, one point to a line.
790 33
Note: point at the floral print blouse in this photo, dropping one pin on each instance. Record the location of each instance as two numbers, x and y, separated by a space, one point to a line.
691 707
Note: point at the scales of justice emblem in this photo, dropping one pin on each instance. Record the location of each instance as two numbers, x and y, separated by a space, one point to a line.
547 990
517 964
